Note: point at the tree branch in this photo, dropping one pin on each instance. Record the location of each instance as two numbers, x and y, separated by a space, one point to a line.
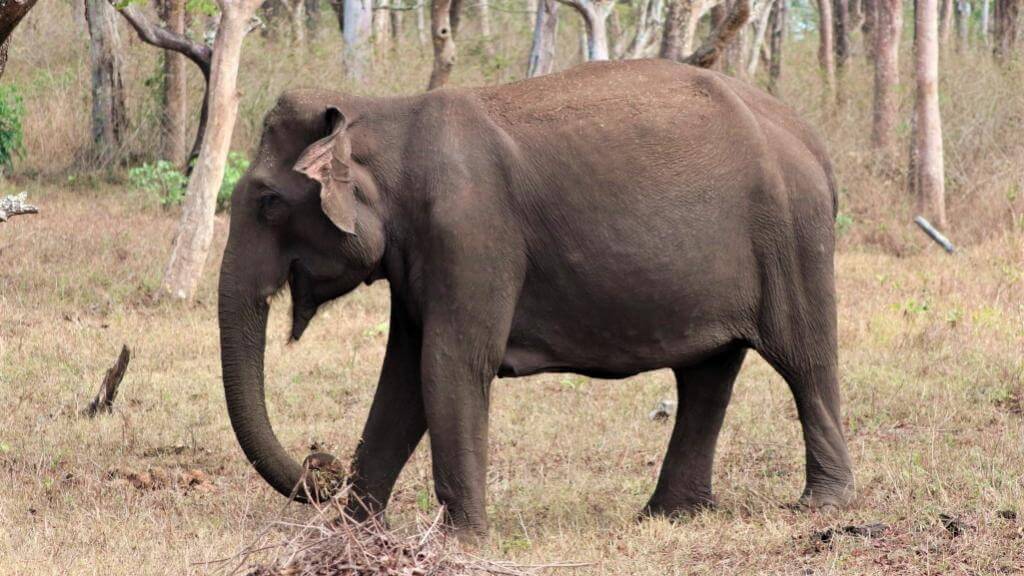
150 33
711 50
15 206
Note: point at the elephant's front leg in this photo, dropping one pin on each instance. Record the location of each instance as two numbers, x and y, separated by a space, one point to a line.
396 422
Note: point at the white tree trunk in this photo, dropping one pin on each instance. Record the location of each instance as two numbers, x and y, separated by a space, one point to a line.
175 116
984 21
444 43
421 24
931 194
485 17
760 22
358 31
826 54
195 230
545 34
382 25
595 22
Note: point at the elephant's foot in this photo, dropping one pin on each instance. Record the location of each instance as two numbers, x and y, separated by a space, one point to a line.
825 496
676 509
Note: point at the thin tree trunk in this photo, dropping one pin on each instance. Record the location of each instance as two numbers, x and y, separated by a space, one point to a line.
444 43
648 22
1006 17
484 10
826 55
779 11
963 24
677 38
887 70
867 27
195 230
545 35
109 114
595 22
841 36
313 16
175 117
358 23
945 21
760 22
338 6
984 22
421 24
381 25
397 30
11 14
928 140
298 20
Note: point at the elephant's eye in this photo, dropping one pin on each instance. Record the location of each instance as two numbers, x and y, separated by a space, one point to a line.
272 208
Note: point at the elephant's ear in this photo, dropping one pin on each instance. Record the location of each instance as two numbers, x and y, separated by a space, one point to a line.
327 161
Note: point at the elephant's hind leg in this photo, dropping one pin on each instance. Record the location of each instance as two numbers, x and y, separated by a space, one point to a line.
704 392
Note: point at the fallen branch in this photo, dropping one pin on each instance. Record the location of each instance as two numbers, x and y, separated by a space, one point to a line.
15 206
712 48
104 400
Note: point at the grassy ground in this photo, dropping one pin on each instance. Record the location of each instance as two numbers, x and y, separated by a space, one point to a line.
932 374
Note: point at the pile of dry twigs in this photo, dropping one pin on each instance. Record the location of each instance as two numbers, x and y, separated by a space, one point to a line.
332 543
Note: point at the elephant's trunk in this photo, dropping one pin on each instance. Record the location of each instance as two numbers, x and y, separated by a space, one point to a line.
243 326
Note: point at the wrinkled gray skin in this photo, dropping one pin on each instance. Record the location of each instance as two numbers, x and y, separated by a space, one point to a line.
617 218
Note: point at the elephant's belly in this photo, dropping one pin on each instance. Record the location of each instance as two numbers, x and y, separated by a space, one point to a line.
615 341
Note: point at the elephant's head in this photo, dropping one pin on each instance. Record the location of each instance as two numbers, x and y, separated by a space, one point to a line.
305 214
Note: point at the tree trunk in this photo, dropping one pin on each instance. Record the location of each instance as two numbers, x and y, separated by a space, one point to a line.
545 35
381 25
313 16
484 10
397 30
444 43
868 26
109 115
841 37
648 23
595 22
358 23
195 230
826 55
421 24
779 11
680 25
175 116
338 6
11 13
945 21
297 12
930 179
760 22
887 49
1005 28
963 24
984 22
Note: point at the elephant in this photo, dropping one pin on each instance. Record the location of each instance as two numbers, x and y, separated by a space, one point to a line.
609 220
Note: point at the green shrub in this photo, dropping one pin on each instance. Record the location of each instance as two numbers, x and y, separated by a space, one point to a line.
167 183
236 166
163 180
12 110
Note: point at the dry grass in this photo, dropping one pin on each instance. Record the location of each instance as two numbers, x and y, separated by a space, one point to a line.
931 352
932 374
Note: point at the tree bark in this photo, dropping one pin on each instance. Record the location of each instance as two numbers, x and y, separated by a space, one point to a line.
11 13
984 22
945 21
841 37
826 55
930 180
778 28
313 16
867 27
297 20
887 49
358 22
1005 32
444 43
397 30
381 25
175 116
595 22
109 113
963 24
195 230
721 36
762 13
681 20
545 35
648 23
484 11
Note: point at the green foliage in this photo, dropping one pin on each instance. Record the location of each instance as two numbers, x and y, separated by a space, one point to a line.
12 110
843 223
236 166
207 7
162 179
167 183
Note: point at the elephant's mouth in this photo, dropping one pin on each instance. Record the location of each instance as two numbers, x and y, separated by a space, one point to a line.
304 300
